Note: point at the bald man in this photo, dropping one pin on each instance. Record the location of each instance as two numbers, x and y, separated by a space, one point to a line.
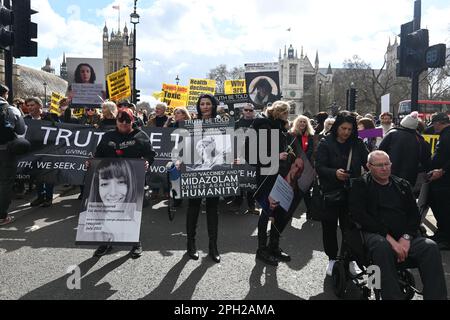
385 208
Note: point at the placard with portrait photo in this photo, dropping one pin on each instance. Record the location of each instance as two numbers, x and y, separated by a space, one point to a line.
86 77
263 88
112 202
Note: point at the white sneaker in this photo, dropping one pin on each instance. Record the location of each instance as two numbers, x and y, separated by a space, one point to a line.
353 268
330 267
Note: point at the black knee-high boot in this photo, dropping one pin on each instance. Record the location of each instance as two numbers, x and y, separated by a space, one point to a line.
191 225
275 233
212 219
262 231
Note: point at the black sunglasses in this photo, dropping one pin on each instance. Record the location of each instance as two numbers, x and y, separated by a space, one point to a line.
249 110
124 119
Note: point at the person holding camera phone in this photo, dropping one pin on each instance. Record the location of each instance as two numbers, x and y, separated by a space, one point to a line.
340 157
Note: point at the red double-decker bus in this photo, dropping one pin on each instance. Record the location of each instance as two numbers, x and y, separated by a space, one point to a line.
426 108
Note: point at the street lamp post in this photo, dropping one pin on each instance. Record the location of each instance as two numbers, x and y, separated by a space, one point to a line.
45 94
134 19
351 105
177 79
320 92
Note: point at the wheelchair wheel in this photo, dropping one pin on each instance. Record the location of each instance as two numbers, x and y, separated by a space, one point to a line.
339 279
407 283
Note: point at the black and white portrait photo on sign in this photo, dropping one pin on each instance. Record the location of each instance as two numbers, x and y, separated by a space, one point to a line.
208 144
112 202
207 162
263 87
86 77
210 153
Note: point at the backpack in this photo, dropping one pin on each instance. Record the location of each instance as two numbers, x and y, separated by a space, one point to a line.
7 133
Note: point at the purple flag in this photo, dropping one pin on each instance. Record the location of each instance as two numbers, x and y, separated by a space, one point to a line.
370 133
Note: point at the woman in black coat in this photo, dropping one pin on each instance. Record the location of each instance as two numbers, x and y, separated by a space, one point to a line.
331 164
125 142
206 110
276 120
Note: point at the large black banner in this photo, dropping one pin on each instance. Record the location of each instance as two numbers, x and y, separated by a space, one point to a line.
164 141
59 152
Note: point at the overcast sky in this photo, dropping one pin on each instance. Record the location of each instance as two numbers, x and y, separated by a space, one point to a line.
190 37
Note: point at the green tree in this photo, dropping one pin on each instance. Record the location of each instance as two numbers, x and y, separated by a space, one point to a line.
371 84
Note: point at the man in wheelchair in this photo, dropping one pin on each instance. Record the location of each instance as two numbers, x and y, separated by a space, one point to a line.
385 209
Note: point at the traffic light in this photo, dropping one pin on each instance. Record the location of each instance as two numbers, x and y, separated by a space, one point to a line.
401 50
436 55
352 99
416 47
412 51
347 99
6 21
24 30
137 94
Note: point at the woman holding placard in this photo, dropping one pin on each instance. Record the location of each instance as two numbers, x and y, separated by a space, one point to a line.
206 109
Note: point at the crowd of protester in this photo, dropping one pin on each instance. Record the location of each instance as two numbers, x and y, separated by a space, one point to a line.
390 165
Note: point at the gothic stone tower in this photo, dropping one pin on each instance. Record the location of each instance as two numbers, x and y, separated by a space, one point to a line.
63 68
117 50
291 78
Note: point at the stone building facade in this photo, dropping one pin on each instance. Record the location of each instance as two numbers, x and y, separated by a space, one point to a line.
312 89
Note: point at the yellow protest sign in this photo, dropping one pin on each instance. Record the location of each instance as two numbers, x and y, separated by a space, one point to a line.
158 95
78 112
54 106
174 96
198 87
119 85
235 86
432 140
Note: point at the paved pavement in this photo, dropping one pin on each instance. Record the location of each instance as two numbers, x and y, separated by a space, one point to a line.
37 249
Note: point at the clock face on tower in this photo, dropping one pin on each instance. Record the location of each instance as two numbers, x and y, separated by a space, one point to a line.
292 94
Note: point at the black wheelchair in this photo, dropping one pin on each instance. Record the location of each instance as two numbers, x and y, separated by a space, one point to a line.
353 249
